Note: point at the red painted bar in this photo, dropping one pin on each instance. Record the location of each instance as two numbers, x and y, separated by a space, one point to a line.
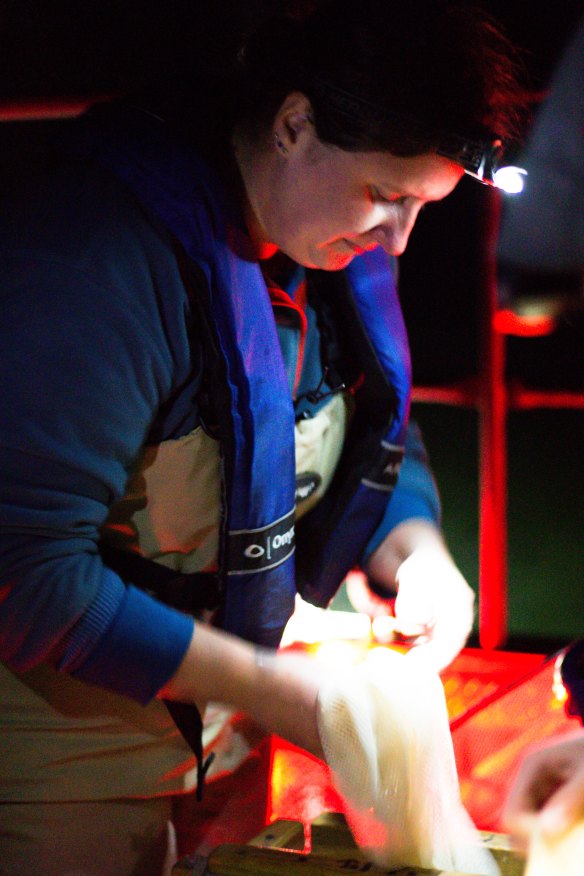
37 109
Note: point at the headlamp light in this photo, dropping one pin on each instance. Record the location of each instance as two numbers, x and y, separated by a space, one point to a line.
482 159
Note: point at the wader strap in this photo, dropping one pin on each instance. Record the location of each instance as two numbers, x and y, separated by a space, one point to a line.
188 593
188 720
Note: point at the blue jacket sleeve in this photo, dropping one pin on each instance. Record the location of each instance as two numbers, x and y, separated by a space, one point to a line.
415 495
90 349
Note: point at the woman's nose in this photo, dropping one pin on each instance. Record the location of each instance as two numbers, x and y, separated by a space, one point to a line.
393 233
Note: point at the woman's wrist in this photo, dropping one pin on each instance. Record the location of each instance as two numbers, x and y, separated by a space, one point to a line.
399 544
216 666
278 690
286 696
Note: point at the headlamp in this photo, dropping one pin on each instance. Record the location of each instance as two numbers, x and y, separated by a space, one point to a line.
482 159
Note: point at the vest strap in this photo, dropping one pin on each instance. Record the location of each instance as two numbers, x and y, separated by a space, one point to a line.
190 592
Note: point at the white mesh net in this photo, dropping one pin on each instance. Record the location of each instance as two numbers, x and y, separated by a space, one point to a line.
384 730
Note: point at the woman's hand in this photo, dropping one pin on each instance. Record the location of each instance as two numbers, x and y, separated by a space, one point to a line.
548 792
278 690
285 697
434 607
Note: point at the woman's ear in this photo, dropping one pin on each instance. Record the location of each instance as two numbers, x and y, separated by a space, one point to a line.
293 120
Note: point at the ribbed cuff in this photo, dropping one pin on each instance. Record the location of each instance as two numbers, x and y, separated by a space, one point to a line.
139 651
96 620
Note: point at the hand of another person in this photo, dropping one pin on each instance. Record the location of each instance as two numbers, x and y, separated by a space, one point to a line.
548 792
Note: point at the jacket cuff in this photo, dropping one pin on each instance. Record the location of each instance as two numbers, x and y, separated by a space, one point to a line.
402 506
140 649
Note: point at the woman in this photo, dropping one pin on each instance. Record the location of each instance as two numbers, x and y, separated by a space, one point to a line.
203 343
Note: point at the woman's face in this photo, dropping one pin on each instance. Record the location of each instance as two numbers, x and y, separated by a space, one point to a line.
322 206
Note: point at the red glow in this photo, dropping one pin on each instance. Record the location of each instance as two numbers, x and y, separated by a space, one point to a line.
533 326
493 495
499 703
300 786
490 741
24 110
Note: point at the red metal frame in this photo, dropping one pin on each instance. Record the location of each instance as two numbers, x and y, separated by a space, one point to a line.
39 109
493 405
494 397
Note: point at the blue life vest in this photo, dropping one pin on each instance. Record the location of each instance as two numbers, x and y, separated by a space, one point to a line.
257 554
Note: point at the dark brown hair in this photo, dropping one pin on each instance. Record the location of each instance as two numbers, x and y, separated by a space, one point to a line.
385 75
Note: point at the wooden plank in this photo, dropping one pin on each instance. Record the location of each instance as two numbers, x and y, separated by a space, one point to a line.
245 860
278 851
191 865
281 834
330 834
509 861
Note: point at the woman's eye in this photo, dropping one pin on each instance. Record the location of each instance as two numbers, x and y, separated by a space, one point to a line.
377 196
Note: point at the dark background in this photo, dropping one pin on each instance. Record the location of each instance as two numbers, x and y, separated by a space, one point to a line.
47 46
67 49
